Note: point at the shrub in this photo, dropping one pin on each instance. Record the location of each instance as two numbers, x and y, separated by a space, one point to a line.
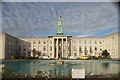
99 57
17 57
105 54
33 57
37 58
22 57
64 58
94 57
78 58
29 58
90 57
12 57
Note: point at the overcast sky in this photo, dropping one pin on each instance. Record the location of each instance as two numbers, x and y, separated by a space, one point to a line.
39 19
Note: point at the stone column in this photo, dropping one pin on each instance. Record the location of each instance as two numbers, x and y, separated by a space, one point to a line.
57 48
53 51
66 48
62 47
71 48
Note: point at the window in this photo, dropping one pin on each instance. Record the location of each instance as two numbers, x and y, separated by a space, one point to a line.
95 48
95 42
44 54
38 42
80 49
33 42
29 48
75 48
50 48
19 48
44 42
75 54
7 39
39 48
90 42
51 42
85 41
16 42
85 48
100 42
50 54
80 42
44 48
24 49
90 49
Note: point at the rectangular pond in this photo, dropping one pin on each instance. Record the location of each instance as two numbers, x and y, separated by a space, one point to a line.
44 67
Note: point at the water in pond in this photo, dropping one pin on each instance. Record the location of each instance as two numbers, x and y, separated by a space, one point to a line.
34 67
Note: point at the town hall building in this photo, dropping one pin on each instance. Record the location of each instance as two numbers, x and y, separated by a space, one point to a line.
58 46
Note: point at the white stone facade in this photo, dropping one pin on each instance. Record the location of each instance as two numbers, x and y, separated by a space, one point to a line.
59 46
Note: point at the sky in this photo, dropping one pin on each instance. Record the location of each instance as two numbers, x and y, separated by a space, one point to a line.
39 19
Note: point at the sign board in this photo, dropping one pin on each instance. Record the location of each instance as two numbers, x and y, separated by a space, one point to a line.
78 73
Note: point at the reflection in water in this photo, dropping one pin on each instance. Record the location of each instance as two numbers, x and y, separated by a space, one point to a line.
43 68
1 67
106 65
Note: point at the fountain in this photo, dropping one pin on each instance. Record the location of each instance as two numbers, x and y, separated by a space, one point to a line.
60 62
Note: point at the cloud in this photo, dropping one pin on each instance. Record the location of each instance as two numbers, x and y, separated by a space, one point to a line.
40 18
86 35
60 0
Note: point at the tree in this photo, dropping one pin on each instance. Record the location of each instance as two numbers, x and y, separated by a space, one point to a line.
39 53
105 53
34 52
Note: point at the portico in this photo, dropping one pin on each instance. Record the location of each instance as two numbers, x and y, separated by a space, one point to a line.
62 46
